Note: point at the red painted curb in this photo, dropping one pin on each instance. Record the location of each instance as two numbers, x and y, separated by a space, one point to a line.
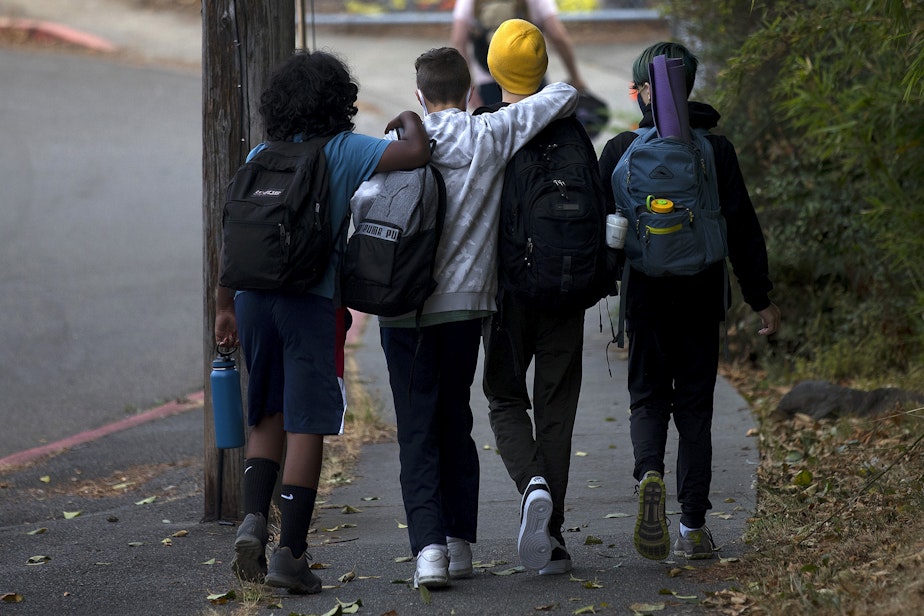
171 408
47 30
354 337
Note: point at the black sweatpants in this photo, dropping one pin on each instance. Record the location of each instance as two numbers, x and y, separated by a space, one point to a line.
673 364
513 337
431 385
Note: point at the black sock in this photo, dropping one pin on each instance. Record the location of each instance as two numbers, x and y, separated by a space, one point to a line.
259 482
296 504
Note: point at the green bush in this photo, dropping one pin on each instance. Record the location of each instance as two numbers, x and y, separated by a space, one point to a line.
824 101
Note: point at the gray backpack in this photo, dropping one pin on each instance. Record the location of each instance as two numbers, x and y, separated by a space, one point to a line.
388 266
668 191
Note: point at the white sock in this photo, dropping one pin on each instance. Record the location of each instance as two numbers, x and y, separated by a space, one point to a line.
437 546
686 530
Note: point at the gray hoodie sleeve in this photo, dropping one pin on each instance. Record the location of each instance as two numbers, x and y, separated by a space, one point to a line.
515 125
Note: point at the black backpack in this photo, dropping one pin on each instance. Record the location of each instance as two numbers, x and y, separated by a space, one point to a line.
390 257
552 248
275 226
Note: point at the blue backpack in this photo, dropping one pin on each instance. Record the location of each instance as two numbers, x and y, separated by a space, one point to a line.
668 191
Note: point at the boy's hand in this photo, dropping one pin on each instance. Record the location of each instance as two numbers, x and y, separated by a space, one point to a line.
770 317
226 329
225 319
404 120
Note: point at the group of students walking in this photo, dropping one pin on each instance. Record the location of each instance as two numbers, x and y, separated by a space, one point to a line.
290 342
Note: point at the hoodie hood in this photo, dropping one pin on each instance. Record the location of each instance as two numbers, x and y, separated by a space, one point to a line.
455 147
701 116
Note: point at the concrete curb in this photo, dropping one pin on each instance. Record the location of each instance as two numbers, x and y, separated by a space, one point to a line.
42 31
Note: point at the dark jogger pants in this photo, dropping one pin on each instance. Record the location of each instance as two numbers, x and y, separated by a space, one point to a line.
672 371
431 385
513 338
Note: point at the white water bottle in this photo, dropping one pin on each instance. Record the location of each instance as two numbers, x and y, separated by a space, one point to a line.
616 226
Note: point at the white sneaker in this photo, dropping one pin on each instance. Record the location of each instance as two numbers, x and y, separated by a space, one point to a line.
560 561
533 543
460 558
432 567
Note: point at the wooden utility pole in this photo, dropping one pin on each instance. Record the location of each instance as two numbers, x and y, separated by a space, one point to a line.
242 40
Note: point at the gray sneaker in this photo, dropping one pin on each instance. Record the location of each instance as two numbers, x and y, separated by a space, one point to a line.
249 562
698 544
651 537
294 574
432 567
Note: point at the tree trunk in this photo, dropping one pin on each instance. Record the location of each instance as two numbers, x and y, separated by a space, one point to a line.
242 40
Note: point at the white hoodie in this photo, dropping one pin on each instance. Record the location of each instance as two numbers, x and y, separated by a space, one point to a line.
471 152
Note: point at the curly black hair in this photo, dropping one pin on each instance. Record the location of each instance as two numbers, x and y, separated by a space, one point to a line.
310 93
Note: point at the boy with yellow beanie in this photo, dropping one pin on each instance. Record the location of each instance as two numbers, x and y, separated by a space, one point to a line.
432 363
517 58
526 330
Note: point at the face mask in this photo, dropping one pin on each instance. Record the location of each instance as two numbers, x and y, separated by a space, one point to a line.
641 104
423 101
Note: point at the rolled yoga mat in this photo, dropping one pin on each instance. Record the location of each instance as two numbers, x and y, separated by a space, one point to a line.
669 98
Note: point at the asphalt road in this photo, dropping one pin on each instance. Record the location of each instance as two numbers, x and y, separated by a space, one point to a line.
100 242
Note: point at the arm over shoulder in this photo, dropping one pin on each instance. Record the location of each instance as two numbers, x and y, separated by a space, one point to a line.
515 125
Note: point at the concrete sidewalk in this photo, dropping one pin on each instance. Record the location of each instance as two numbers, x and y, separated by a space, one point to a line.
137 545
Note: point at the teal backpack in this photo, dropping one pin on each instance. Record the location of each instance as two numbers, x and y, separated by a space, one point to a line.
668 190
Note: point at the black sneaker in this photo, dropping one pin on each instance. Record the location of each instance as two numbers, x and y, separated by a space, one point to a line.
651 538
533 543
294 574
249 562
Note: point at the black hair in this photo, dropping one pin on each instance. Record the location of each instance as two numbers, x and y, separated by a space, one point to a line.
310 93
671 50
442 75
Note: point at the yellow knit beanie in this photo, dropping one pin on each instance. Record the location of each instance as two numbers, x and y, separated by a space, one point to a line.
517 58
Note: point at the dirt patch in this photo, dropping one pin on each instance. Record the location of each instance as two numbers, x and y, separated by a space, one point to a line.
133 479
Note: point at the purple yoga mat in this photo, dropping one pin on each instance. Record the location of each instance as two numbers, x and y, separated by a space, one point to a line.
669 97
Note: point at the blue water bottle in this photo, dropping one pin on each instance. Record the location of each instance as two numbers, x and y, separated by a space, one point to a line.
227 408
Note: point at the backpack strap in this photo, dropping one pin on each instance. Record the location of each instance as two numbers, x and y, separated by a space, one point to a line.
621 320
440 216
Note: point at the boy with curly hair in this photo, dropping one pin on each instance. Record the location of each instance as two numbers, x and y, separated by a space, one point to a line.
289 340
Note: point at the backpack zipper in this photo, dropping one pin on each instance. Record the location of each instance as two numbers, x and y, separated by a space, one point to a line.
285 238
560 185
